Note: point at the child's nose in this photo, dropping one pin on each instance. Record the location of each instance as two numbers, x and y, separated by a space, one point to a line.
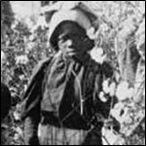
69 42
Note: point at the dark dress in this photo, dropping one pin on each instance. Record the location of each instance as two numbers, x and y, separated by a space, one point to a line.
63 97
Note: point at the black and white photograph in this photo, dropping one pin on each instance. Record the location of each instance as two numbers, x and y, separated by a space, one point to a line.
73 73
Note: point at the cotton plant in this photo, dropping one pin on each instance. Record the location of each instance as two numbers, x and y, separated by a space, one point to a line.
3 58
140 39
112 138
109 88
22 59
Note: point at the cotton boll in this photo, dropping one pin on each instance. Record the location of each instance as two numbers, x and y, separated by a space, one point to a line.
23 59
91 33
109 88
130 93
122 91
16 116
102 97
98 55
106 86
117 110
112 89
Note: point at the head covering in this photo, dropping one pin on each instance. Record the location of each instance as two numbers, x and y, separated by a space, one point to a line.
69 15
68 11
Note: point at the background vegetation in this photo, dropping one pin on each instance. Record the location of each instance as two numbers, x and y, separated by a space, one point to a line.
121 28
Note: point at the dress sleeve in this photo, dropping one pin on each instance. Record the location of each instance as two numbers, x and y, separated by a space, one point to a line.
33 94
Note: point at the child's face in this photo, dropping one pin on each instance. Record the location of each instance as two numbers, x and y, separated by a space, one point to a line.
72 39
